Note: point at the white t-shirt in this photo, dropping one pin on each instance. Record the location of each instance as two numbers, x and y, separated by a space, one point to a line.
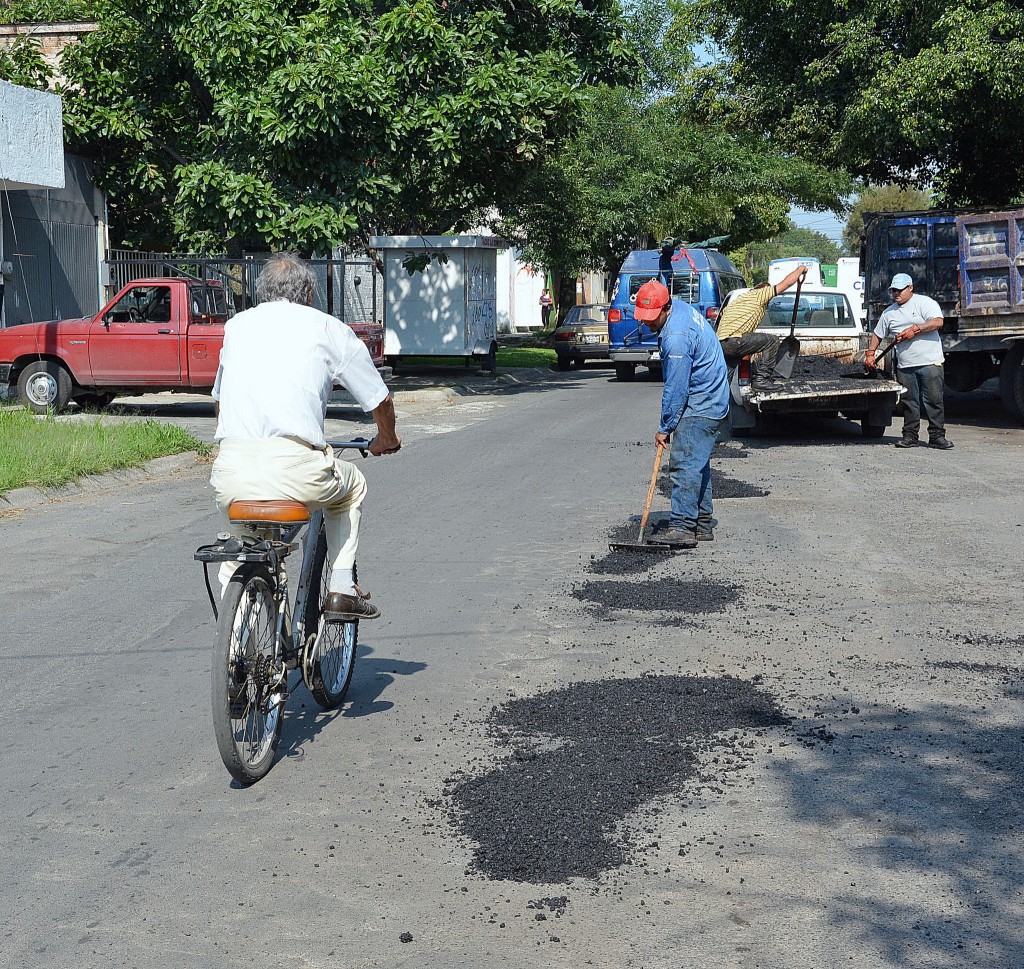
277 367
922 350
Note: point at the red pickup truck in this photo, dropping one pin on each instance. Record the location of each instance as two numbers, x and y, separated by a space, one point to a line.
155 335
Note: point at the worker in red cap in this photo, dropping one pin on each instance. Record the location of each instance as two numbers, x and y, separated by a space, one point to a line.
694 405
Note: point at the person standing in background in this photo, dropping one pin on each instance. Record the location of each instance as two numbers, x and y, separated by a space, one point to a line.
546 304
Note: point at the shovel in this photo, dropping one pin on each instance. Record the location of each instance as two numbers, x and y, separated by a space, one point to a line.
789 349
639 545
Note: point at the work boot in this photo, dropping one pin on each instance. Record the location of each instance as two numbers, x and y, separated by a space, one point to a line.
906 441
941 443
675 537
705 534
342 608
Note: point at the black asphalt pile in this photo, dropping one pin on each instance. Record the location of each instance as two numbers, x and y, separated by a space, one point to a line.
549 815
622 563
698 596
722 451
823 368
722 486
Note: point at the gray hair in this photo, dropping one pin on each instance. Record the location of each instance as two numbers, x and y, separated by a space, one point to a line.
286 276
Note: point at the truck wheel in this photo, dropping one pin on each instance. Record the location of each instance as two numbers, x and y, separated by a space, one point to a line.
625 371
872 430
45 386
1011 381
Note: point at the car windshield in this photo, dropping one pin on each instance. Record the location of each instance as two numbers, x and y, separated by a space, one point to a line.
586 314
685 286
815 309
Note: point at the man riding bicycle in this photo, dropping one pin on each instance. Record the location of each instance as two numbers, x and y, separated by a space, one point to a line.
278 365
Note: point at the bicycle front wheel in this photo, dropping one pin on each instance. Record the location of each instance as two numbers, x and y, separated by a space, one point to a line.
249 683
331 655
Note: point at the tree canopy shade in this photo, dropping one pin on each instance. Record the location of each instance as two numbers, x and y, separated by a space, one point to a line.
305 123
637 170
923 92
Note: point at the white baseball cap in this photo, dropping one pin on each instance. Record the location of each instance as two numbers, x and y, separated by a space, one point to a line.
901 281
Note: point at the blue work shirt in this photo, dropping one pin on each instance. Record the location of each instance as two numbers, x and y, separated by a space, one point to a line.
696 378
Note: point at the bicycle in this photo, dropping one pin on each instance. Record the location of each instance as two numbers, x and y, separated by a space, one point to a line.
261 637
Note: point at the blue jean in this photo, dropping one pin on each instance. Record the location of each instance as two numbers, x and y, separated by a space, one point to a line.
924 391
689 467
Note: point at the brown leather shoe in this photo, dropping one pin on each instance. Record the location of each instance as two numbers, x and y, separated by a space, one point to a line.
342 608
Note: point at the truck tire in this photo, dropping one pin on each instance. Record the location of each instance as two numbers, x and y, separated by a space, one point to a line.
625 371
1011 381
45 386
872 430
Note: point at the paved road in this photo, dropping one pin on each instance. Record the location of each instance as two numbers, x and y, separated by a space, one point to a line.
876 600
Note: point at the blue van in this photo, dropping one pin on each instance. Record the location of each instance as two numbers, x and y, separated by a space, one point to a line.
700 277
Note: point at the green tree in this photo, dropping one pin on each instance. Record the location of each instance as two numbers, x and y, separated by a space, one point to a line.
45 11
922 92
636 171
753 258
309 123
880 198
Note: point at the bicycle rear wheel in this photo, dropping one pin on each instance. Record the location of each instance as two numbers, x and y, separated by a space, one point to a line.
249 685
333 658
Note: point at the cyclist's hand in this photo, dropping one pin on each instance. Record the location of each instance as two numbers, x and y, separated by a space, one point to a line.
389 445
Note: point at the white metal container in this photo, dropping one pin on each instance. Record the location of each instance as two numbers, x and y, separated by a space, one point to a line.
447 309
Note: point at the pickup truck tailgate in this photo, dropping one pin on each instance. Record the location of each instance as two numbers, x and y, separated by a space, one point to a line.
822 394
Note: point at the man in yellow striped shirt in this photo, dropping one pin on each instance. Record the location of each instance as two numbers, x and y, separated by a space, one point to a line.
737 328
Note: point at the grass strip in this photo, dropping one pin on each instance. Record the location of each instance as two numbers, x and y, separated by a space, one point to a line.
45 452
508 358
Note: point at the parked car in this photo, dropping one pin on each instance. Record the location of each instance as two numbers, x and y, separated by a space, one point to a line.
582 335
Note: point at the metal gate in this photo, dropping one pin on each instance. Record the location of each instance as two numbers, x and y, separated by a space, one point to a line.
347 287
51 240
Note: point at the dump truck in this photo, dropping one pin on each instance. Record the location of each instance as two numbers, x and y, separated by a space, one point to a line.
971 262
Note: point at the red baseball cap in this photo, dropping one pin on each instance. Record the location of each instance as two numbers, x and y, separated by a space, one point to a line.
651 299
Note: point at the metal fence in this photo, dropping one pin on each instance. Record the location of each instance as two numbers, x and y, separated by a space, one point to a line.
348 286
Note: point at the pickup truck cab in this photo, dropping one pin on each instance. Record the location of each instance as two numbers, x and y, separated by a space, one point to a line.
826 324
162 334
700 277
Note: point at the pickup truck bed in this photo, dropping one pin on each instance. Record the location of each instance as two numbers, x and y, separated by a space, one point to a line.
868 400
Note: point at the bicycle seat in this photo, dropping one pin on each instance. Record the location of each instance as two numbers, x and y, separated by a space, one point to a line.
279 510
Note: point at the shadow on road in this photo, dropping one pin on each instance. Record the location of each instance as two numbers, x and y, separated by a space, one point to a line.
304 720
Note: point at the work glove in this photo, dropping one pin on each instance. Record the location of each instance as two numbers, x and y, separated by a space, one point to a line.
869 359
909 333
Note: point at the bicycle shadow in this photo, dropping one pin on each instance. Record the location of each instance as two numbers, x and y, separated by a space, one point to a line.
305 720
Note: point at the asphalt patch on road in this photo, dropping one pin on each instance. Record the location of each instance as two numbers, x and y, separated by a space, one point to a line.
584 758
687 597
722 486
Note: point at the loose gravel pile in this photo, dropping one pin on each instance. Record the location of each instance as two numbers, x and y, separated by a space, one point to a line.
623 563
698 596
548 815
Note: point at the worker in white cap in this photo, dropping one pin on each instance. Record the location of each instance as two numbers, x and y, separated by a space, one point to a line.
915 321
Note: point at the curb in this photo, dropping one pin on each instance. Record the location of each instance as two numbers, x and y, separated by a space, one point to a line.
90 484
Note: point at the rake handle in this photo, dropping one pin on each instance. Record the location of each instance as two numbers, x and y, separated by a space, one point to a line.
650 492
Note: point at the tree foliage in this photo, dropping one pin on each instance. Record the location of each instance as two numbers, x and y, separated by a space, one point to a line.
304 124
640 167
753 258
45 11
921 92
880 198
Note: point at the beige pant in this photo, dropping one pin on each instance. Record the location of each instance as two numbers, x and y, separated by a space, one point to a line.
282 467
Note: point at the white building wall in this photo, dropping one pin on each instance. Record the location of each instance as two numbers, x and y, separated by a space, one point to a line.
31 139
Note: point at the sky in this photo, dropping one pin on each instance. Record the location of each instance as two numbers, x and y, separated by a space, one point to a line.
824 222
